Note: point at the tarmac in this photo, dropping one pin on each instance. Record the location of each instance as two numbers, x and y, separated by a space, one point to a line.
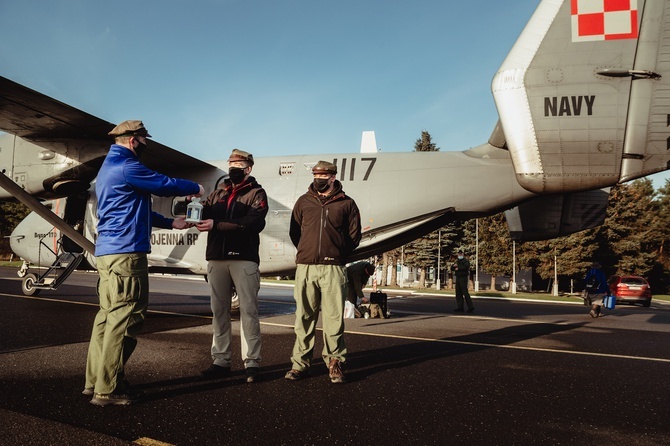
512 373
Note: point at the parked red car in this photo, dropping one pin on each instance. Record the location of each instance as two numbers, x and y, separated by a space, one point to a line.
631 289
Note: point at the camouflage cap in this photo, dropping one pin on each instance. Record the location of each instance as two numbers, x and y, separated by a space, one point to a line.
324 167
129 128
241 155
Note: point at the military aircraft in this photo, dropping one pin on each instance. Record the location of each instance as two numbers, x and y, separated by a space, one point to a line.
582 104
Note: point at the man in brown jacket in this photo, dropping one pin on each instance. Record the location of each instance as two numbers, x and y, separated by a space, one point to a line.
326 228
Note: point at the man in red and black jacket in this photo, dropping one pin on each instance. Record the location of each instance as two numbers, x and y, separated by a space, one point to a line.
234 215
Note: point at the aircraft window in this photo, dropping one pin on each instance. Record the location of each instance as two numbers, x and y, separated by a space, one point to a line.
286 169
179 206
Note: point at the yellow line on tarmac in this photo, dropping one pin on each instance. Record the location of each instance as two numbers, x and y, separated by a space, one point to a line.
144 441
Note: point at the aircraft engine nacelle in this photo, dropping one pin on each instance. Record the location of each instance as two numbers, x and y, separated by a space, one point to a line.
67 169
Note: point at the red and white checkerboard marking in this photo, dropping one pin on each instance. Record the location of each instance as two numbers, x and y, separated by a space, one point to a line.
604 20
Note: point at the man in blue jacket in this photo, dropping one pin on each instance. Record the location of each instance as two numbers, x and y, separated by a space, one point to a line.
596 288
124 187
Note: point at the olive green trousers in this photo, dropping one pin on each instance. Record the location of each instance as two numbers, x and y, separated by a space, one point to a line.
319 288
123 291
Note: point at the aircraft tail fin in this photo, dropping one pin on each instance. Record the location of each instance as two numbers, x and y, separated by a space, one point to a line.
368 142
584 95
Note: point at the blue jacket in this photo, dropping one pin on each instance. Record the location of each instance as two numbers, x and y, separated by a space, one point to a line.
124 187
599 275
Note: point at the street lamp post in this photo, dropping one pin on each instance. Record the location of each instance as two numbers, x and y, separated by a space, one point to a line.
513 266
402 266
555 293
439 241
476 254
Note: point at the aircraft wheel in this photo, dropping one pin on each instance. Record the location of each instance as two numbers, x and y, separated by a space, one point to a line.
28 285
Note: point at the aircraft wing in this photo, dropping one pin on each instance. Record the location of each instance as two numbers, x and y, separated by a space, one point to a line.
550 216
55 150
56 126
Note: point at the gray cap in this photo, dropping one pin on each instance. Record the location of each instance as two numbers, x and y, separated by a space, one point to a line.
129 128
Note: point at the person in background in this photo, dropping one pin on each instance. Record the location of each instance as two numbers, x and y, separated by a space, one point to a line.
326 228
358 275
461 270
124 187
596 288
234 215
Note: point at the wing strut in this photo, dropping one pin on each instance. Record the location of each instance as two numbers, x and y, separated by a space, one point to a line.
44 212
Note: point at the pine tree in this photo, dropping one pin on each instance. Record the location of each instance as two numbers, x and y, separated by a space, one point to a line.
425 143
495 247
12 214
629 224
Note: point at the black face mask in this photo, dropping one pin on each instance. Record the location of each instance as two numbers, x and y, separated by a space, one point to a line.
236 175
321 184
139 150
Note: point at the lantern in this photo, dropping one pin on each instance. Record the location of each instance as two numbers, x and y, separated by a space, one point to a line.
194 211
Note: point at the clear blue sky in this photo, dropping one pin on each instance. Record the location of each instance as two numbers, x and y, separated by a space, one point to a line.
271 77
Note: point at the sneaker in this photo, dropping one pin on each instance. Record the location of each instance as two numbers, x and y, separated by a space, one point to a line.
471 310
593 313
88 391
335 372
251 373
112 399
294 374
458 310
215 371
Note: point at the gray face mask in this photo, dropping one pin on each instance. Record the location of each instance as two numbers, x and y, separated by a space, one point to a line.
321 184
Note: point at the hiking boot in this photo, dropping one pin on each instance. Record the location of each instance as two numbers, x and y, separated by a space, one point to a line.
113 399
335 372
251 373
215 372
294 374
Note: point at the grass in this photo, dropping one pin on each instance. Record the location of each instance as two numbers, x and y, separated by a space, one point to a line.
562 297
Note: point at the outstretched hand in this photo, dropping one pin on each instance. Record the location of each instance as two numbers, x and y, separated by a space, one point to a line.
205 225
181 223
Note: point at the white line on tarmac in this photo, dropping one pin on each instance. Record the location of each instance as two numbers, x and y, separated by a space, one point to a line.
485 344
409 338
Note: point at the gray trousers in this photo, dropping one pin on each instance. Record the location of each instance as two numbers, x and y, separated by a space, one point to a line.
245 277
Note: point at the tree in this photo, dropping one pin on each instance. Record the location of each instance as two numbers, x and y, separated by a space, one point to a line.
630 229
12 214
422 252
495 247
425 143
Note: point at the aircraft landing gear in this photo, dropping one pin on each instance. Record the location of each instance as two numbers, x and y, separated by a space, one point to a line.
23 270
28 285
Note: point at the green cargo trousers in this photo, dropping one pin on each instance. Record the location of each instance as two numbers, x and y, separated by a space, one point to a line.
319 287
123 291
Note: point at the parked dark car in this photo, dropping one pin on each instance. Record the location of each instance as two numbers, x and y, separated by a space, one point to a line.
631 289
